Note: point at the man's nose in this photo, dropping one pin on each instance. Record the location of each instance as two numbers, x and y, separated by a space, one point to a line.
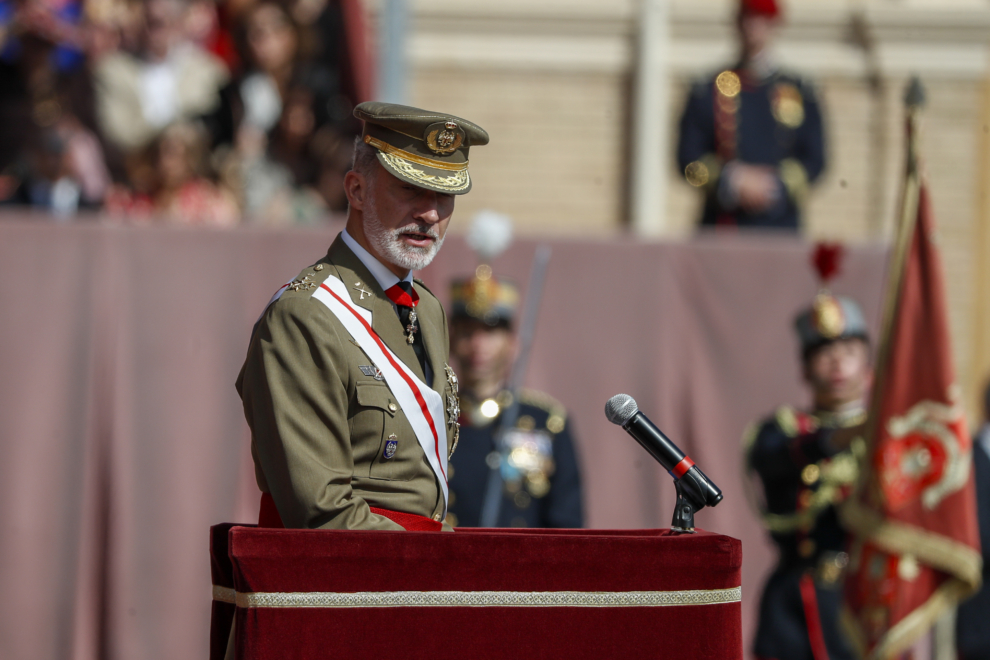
428 209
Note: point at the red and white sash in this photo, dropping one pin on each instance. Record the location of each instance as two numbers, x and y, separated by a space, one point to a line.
422 405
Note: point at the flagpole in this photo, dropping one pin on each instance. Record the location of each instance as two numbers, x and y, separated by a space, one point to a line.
914 101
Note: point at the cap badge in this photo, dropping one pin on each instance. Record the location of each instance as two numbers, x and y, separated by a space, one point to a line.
827 316
444 140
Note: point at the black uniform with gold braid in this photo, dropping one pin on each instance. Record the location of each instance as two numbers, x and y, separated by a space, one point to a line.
804 477
758 115
537 463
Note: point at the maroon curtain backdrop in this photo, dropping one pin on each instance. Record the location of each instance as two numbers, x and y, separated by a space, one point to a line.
122 438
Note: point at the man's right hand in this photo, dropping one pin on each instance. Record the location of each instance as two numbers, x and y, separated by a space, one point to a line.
757 186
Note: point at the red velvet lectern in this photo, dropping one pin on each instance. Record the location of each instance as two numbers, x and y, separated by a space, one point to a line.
475 593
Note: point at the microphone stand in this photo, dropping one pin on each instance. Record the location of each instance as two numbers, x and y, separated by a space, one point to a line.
492 503
684 510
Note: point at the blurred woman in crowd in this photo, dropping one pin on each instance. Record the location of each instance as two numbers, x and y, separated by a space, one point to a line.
170 183
50 157
270 117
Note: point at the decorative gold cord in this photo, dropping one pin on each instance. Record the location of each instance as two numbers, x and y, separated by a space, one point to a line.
386 148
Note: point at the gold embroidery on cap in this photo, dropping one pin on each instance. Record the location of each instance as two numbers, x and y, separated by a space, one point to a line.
454 183
386 148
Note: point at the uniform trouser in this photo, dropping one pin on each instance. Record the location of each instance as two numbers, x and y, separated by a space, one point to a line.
783 631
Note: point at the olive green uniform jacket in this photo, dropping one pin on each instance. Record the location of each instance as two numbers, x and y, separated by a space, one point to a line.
319 424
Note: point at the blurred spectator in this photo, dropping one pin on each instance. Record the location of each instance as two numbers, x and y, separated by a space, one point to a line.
62 170
49 156
275 118
280 131
55 21
170 183
207 28
168 78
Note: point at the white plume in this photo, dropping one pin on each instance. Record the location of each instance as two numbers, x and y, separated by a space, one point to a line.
490 234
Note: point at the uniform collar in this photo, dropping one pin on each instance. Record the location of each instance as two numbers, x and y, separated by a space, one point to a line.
386 279
761 67
841 419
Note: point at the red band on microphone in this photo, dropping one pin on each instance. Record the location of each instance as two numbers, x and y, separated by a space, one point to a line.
681 468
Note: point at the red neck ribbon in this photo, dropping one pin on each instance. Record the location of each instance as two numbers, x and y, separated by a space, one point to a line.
401 297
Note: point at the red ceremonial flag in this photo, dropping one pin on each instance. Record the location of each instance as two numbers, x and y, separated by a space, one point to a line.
915 539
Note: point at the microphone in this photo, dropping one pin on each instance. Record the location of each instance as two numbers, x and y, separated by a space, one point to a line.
621 409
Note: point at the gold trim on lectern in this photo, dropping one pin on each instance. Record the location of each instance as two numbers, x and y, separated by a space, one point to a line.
479 598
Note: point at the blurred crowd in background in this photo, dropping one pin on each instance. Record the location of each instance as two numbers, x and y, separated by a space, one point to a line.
211 112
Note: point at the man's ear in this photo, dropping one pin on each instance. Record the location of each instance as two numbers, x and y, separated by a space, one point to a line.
355 187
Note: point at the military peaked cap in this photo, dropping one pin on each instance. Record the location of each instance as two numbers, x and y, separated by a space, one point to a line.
484 297
428 149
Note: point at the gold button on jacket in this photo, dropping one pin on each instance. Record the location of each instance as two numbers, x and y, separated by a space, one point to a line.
319 424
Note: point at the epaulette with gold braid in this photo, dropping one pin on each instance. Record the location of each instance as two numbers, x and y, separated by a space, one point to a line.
794 422
557 413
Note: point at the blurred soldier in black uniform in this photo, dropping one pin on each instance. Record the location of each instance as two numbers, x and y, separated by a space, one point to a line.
751 137
807 463
535 471
972 629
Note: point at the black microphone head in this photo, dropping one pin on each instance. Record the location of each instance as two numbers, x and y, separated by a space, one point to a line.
620 409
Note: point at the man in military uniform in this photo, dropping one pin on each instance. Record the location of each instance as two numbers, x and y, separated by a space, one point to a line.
972 631
807 463
352 407
530 469
751 137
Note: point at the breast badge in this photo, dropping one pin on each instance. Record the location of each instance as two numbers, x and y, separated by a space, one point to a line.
372 370
788 105
529 460
728 84
391 446
453 408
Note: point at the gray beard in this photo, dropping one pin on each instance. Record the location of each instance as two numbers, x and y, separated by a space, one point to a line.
389 246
